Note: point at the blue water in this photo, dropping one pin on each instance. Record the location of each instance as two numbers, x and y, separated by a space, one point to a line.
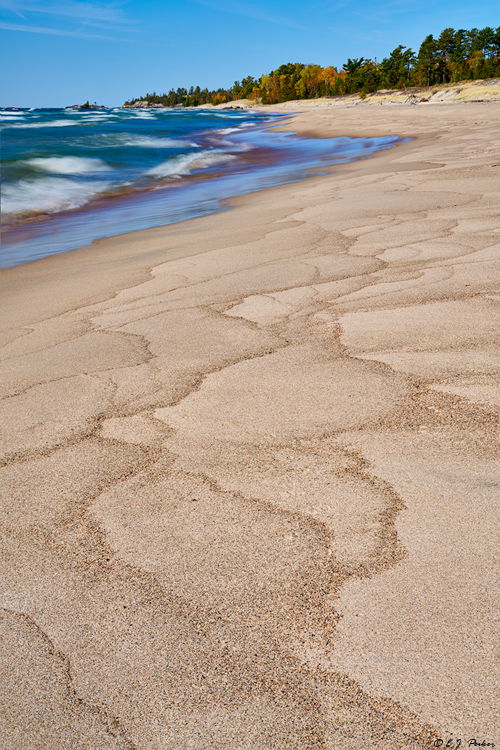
72 176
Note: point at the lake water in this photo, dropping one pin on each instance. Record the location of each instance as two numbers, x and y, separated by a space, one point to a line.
72 176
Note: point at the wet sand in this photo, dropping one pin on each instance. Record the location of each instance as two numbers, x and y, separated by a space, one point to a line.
250 462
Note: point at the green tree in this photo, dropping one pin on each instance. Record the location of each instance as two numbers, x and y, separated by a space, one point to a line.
368 77
445 49
247 85
351 66
395 69
486 41
496 43
428 57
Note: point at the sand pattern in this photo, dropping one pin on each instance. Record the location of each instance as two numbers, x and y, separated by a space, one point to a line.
250 464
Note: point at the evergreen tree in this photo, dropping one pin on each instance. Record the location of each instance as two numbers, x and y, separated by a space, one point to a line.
428 57
445 48
395 69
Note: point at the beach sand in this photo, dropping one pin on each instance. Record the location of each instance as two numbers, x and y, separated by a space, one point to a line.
250 462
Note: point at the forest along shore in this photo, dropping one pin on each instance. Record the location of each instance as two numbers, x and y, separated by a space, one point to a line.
250 461
457 57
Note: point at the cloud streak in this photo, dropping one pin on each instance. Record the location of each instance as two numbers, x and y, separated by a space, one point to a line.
66 19
55 32
72 9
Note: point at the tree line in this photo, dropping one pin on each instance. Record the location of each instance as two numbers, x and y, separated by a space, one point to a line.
452 56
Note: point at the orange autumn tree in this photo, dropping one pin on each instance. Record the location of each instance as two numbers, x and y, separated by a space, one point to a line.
297 81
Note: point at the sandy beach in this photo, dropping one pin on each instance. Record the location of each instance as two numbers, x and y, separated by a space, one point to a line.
250 462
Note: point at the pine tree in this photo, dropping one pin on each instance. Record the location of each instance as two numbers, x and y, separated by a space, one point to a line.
428 57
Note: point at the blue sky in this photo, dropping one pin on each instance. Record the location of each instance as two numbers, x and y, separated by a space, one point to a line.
62 52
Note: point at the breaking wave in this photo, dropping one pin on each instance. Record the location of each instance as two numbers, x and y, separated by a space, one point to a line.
68 165
153 142
47 195
53 124
187 163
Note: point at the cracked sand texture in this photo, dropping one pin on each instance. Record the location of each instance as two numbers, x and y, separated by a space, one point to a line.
250 463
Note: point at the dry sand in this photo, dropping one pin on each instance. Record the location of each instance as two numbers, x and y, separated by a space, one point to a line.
250 462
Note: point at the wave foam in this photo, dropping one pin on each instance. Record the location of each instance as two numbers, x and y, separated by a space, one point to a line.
183 165
53 124
47 195
68 165
145 141
234 147
143 115
226 131
97 118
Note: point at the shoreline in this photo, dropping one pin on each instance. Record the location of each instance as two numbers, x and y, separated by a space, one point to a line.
257 165
251 458
40 270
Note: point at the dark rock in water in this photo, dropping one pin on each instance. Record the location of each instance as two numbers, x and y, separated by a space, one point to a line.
86 106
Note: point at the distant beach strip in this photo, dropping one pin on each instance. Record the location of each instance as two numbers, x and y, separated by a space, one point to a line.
70 176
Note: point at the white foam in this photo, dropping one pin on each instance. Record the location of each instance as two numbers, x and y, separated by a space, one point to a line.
47 195
226 131
68 165
11 118
53 124
183 165
145 141
97 118
235 147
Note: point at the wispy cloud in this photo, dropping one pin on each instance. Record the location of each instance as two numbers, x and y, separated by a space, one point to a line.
72 9
71 18
54 32
250 10
11 6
